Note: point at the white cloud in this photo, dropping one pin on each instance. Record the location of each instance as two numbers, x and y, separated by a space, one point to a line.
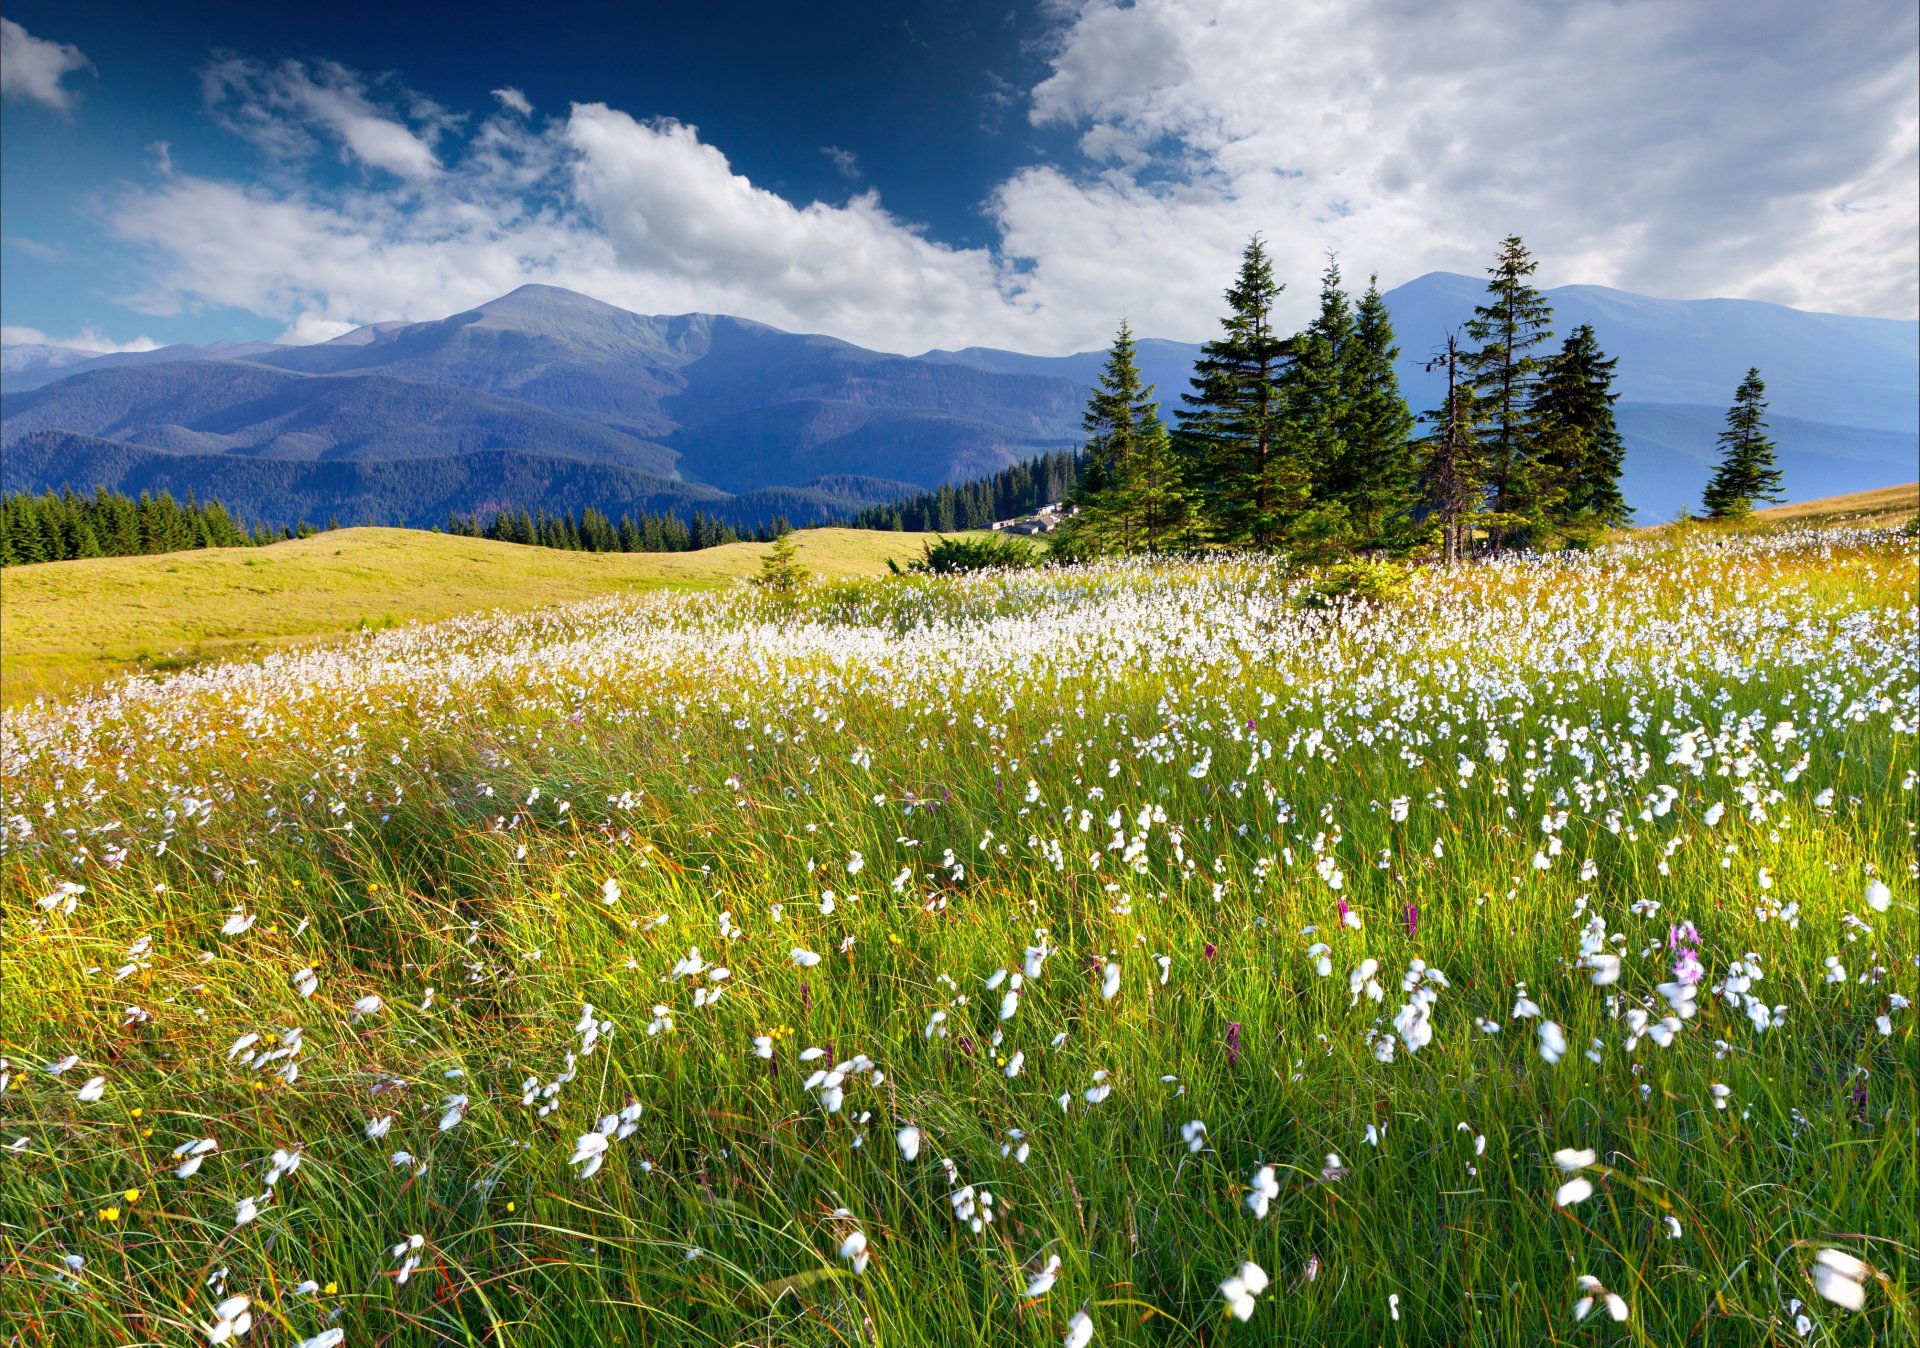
673 208
87 339
1682 150
31 68
514 101
279 107
1765 151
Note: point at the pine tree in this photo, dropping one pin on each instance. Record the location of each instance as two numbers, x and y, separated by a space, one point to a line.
1455 471
1515 319
1256 485
1376 480
1580 449
1748 471
780 570
1316 388
1132 495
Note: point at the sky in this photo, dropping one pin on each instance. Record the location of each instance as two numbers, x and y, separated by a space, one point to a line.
935 173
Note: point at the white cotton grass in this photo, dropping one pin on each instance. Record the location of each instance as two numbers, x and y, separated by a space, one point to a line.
1079 1330
1264 1189
1240 1289
1840 1277
232 1318
1591 1291
1042 1282
1577 1188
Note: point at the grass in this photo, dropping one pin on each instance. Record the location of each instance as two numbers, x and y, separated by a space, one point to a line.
65 626
1689 748
1882 506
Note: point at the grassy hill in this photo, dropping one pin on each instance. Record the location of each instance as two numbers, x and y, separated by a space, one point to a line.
64 625
1886 505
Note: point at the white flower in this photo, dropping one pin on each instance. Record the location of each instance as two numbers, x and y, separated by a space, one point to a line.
589 1152
1840 1278
1240 1290
1042 1282
1591 1286
1194 1134
1553 1041
909 1140
1570 1160
1879 896
368 1005
609 891
326 1338
1079 1331
1109 989
305 982
806 959
853 1250
1576 1190
93 1090
1605 967
231 1319
1265 1189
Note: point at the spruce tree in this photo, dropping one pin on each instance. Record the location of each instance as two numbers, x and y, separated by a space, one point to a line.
1454 475
1515 319
1257 486
1748 471
1376 480
1132 495
1316 388
1581 451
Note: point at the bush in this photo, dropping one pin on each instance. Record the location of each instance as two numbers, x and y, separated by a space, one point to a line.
945 556
1365 581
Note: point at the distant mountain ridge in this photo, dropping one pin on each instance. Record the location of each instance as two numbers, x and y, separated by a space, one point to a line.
521 396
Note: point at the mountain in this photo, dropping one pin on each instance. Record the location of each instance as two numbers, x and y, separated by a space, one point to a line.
742 416
24 366
418 491
1830 368
237 408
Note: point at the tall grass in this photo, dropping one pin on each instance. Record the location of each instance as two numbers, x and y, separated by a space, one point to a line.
1115 764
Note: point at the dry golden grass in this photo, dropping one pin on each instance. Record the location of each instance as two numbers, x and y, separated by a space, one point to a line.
66 625
1883 505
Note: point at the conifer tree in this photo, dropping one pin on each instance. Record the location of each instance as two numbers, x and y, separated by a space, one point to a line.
1132 495
1515 319
1455 477
1257 485
1316 387
1580 449
1376 479
1748 470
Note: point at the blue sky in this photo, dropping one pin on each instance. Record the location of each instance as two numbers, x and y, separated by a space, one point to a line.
913 175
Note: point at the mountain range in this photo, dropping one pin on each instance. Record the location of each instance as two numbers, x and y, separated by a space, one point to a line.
547 398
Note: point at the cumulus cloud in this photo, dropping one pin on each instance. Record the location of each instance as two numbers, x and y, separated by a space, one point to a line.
1762 151
514 101
284 108
87 339
31 68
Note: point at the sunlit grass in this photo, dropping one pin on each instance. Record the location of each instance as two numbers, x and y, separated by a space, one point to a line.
946 758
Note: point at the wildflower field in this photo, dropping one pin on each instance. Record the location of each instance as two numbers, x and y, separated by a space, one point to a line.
1139 953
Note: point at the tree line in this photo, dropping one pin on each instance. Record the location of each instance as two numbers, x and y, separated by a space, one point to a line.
594 531
1018 490
1304 442
60 527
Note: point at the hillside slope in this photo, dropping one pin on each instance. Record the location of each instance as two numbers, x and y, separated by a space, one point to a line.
71 624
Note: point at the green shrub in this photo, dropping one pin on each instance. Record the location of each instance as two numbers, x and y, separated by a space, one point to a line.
945 556
1367 581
